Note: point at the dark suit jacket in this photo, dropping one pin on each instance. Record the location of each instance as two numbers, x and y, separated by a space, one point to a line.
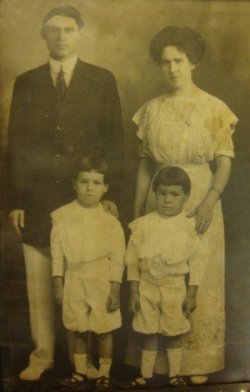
45 140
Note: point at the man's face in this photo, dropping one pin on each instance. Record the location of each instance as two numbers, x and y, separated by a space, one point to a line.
90 188
170 199
62 35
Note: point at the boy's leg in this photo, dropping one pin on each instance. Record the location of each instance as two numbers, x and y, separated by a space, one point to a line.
146 321
149 353
105 353
78 378
79 345
41 308
174 356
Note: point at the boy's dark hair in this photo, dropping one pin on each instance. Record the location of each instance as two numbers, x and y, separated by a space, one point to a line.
65 10
184 38
172 175
89 163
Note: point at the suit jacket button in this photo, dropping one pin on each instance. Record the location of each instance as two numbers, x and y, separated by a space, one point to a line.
58 128
71 148
58 182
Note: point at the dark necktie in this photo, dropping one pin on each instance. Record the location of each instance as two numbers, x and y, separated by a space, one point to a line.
61 87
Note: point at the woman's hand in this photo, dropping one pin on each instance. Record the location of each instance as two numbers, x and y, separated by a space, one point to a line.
203 216
110 207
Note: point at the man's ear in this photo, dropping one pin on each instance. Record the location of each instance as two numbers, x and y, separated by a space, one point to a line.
74 185
106 188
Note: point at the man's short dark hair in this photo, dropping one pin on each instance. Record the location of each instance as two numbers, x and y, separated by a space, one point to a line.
185 39
65 10
172 175
90 163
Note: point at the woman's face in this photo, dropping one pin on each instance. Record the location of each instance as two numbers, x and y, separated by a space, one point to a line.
176 67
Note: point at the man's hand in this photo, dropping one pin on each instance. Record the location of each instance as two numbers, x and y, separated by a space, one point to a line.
110 207
58 289
17 218
113 301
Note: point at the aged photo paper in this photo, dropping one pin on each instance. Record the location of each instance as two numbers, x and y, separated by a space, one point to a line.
116 72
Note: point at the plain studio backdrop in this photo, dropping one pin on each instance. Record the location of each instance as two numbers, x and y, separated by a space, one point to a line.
116 36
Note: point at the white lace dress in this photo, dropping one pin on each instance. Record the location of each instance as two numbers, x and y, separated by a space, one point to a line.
189 133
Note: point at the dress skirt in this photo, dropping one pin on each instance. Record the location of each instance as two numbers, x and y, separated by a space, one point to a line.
203 349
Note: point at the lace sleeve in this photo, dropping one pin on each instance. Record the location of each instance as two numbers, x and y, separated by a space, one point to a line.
141 118
222 126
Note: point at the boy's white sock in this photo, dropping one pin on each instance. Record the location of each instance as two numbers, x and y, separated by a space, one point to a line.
80 362
174 356
147 363
105 365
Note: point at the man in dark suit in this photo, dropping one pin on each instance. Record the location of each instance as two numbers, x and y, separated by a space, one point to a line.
60 111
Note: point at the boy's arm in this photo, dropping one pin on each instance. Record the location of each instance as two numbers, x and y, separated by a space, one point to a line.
57 264
133 275
57 254
116 266
197 265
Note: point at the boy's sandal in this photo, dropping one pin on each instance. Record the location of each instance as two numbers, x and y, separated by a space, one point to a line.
198 380
141 383
103 384
74 381
177 381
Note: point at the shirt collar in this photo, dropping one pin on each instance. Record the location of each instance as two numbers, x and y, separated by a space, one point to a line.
67 65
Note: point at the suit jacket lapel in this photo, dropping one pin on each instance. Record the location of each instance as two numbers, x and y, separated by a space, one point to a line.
79 86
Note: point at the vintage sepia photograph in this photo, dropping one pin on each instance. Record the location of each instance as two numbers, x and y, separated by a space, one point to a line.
125 217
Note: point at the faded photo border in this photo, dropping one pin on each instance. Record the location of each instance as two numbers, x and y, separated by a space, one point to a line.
116 37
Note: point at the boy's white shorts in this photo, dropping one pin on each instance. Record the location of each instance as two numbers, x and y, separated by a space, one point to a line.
161 308
85 304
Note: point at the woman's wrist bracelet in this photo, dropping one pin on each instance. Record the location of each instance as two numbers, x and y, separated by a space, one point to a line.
215 189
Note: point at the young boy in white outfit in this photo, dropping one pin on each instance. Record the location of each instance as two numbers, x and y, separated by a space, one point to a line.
162 250
87 246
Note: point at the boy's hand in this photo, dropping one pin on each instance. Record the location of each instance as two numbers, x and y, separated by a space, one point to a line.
134 302
189 305
113 301
58 289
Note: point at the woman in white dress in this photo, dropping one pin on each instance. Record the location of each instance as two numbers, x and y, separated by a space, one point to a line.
190 128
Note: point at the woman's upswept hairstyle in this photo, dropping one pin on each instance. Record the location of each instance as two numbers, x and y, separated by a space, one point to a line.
185 39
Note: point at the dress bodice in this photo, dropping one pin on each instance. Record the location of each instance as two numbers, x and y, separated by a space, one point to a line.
185 130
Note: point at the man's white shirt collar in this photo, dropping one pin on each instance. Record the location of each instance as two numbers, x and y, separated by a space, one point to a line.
67 67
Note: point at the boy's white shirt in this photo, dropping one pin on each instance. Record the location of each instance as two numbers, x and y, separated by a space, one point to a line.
161 246
83 235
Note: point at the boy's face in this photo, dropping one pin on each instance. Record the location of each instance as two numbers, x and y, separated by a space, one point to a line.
170 199
90 188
